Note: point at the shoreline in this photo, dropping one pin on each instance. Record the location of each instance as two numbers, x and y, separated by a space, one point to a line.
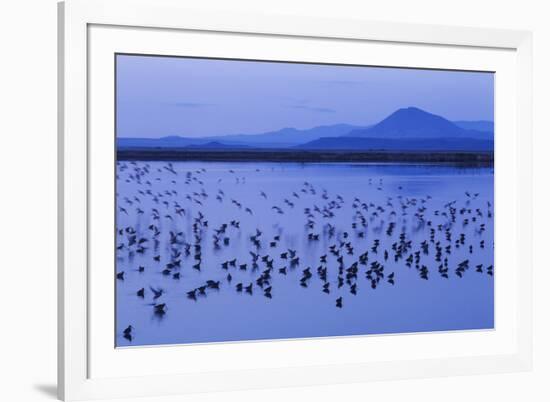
467 158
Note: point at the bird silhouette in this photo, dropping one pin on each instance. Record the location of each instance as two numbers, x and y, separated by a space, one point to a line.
127 333
339 302
156 292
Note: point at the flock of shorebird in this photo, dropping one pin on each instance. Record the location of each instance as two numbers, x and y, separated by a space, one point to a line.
168 225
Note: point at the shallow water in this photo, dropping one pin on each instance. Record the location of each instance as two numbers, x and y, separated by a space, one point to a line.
414 197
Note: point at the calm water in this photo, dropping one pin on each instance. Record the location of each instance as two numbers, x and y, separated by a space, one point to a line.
338 210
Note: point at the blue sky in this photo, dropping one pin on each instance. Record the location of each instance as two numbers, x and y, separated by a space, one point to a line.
161 96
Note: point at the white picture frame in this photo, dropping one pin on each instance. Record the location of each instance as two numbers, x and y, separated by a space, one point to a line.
91 31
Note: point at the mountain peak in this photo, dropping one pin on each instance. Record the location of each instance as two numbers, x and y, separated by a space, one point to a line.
411 109
416 115
412 122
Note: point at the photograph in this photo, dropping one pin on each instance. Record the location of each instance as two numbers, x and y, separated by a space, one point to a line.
263 200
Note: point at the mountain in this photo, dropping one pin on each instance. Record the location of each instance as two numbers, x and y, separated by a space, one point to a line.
395 144
478 125
412 122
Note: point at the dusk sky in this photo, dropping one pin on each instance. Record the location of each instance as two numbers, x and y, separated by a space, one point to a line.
162 96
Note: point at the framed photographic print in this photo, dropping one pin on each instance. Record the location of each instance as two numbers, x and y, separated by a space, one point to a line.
258 201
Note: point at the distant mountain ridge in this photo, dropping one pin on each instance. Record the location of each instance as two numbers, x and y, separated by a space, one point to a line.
478 125
289 136
286 137
216 145
406 129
